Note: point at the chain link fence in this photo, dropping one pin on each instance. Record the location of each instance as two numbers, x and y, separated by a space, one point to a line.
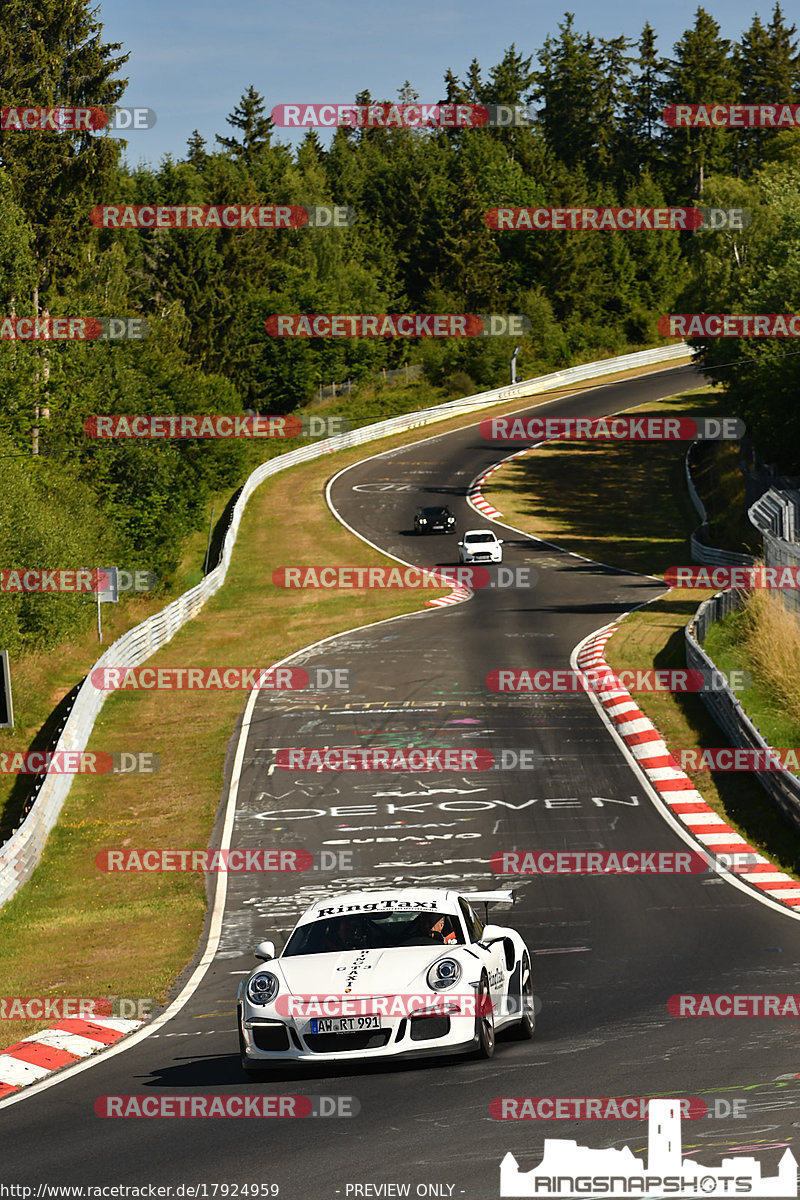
404 374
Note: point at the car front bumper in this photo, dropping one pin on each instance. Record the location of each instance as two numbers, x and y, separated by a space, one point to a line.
268 1040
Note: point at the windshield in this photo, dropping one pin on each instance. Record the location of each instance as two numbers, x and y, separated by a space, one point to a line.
480 537
436 512
374 931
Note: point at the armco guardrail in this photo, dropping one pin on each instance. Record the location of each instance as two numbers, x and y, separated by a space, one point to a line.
782 787
701 552
20 854
777 517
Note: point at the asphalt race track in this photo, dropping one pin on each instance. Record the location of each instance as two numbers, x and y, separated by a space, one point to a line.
608 952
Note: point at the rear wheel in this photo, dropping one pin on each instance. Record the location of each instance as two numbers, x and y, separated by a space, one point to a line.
524 1028
484 1019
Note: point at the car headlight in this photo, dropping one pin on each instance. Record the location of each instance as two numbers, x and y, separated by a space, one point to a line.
444 974
262 987
423 521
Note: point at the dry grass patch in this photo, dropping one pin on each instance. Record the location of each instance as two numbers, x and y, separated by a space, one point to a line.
772 644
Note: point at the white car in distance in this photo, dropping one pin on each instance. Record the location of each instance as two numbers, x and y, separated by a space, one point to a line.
480 545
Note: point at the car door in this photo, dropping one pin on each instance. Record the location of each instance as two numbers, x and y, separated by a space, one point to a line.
492 957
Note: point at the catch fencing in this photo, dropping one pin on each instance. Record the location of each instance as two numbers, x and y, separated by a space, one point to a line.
20 854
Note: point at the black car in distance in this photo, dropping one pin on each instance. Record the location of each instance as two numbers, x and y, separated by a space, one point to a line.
434 520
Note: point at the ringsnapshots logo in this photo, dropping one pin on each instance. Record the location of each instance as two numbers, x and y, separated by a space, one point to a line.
79 762
213 425
643 428
567 1169
615 220
732 116
73 329
216 679
402 116
733 325
398 325
746 578
334 578
256 860
223 216
603 679
261 1106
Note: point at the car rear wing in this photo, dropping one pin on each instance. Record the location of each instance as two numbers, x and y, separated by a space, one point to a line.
487 898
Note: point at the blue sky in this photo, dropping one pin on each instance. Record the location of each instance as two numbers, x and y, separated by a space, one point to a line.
191 60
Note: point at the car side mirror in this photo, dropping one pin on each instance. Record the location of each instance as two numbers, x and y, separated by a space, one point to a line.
500 540
460 543
265 951
491 934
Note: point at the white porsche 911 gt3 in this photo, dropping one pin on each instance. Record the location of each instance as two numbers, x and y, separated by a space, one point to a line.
387 974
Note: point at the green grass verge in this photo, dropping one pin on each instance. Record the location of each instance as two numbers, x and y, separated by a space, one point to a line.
724 644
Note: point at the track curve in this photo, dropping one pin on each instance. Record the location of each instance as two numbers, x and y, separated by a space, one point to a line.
608 951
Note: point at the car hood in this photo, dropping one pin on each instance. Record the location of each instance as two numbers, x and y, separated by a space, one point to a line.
361 972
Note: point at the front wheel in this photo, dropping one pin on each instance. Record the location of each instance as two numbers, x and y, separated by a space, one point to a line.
484 1019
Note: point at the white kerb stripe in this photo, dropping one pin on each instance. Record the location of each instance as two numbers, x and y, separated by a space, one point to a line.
18 1073
649 750
719 839
121 1024
642 725
61 1040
